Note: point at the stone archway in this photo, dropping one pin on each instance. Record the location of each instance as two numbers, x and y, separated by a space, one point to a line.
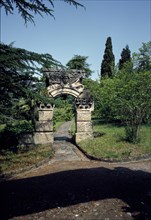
58 82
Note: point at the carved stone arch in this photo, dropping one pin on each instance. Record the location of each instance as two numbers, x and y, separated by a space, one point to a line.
68 91
64 82
58 82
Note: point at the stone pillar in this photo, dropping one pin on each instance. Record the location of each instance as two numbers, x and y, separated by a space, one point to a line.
44 127
84 129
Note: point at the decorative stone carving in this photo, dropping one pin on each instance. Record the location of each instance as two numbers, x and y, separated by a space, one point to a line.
45 107
46 112
63 76
84 101
61 81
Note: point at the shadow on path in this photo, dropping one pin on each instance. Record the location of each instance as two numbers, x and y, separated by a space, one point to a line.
62 134
62 189
63 147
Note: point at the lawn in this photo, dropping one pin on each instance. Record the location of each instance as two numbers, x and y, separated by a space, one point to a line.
111 143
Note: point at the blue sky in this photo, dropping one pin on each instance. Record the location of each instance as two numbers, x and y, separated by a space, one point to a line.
82 32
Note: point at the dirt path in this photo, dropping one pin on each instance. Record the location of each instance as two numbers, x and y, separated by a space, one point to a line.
65 189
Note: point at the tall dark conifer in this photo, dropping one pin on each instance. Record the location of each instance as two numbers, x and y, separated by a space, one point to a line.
108 63
125 57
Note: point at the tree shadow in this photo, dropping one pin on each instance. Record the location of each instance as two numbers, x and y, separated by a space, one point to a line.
62 189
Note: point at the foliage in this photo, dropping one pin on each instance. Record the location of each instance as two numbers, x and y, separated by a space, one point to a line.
79 62
28 8
94 88
63 109
125 57
133 101
63 114
108 63
20 86
127 98
103 96
21 83
63 100
142 59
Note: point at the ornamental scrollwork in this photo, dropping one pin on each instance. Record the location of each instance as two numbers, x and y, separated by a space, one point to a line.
64 79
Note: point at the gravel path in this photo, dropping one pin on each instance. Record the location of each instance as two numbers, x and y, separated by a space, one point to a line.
77 189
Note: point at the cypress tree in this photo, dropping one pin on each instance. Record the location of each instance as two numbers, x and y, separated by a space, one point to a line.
108 63
125 57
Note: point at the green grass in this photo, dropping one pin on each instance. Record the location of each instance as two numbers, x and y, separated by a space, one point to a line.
111 144
10 161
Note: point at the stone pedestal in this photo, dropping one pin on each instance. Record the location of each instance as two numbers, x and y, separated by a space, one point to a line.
83 125
44 127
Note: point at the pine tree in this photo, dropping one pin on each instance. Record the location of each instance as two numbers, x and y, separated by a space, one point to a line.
20 81
79 62
125 57
108 63
28 8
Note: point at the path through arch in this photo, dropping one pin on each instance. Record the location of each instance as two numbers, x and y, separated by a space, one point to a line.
64 149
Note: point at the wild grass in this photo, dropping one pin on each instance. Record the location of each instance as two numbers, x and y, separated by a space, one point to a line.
11 161
111 144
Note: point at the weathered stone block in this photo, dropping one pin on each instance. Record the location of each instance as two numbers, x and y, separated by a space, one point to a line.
43 137
80 136
26 139
84 126
44 126
83 115
45 115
